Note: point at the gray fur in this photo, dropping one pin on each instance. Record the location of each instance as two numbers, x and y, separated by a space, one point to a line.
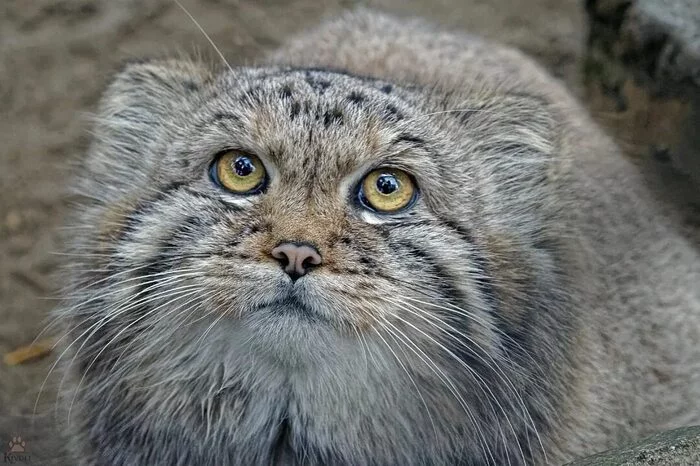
536 304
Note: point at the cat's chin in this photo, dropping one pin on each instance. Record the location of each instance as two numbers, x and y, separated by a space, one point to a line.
289 332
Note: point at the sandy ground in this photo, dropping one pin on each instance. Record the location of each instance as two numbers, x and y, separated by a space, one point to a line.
56 57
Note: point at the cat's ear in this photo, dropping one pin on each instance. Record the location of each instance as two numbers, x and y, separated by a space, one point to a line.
157 81
518 159
145 102
145 95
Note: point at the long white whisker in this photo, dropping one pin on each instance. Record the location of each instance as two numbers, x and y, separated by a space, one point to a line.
108 311
413 382
204 33
77 390
481 382
57 319
170 276
363 344
450 307
496 368
188 292
180 309
446 381
110 316
206 332
92 328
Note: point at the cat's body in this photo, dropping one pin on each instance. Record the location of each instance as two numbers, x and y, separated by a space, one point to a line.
535 304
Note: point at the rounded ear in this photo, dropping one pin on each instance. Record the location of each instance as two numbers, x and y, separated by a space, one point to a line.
141 106
144 95
515 138
147 79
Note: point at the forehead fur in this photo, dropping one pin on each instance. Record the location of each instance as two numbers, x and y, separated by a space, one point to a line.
314 124
306 124
165 121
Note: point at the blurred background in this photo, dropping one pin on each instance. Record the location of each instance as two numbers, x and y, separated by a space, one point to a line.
57 56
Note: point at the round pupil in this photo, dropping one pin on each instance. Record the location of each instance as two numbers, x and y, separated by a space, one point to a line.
387 184
243 166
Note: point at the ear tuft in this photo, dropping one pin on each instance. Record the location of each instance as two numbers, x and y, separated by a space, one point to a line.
518 160
144 96
170 78
142 105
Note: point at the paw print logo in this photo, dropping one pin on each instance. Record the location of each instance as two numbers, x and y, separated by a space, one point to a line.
17 445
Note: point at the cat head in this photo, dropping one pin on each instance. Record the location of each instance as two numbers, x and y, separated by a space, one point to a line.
310 208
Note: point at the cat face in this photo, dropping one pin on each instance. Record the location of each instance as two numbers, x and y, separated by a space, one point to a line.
316 136
197 249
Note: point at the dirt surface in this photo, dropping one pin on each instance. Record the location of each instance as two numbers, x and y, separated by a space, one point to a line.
57 56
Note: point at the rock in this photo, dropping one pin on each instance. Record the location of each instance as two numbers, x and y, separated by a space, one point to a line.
643 64
679 447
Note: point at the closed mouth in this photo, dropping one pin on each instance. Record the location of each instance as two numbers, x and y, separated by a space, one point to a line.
292 306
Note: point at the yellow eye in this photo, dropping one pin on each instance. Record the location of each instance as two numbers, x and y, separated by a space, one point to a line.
239 172
387 190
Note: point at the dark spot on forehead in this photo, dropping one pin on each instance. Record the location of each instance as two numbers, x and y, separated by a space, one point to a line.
286 92
307 107
387 88
368 261
363 285
294 110
219 116
392 113
371 271
190 85
356 97
305 163
317 83
334 116
405 137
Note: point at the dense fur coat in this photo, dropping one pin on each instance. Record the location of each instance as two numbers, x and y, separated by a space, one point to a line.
534 304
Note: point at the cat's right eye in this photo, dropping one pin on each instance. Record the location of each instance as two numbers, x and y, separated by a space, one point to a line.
239 172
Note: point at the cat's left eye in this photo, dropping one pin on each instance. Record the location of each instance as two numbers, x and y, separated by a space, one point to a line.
387 190
239 172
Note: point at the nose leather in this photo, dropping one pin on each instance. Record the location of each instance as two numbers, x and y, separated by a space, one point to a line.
296 258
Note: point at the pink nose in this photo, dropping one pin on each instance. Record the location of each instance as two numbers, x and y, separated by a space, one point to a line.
296 259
